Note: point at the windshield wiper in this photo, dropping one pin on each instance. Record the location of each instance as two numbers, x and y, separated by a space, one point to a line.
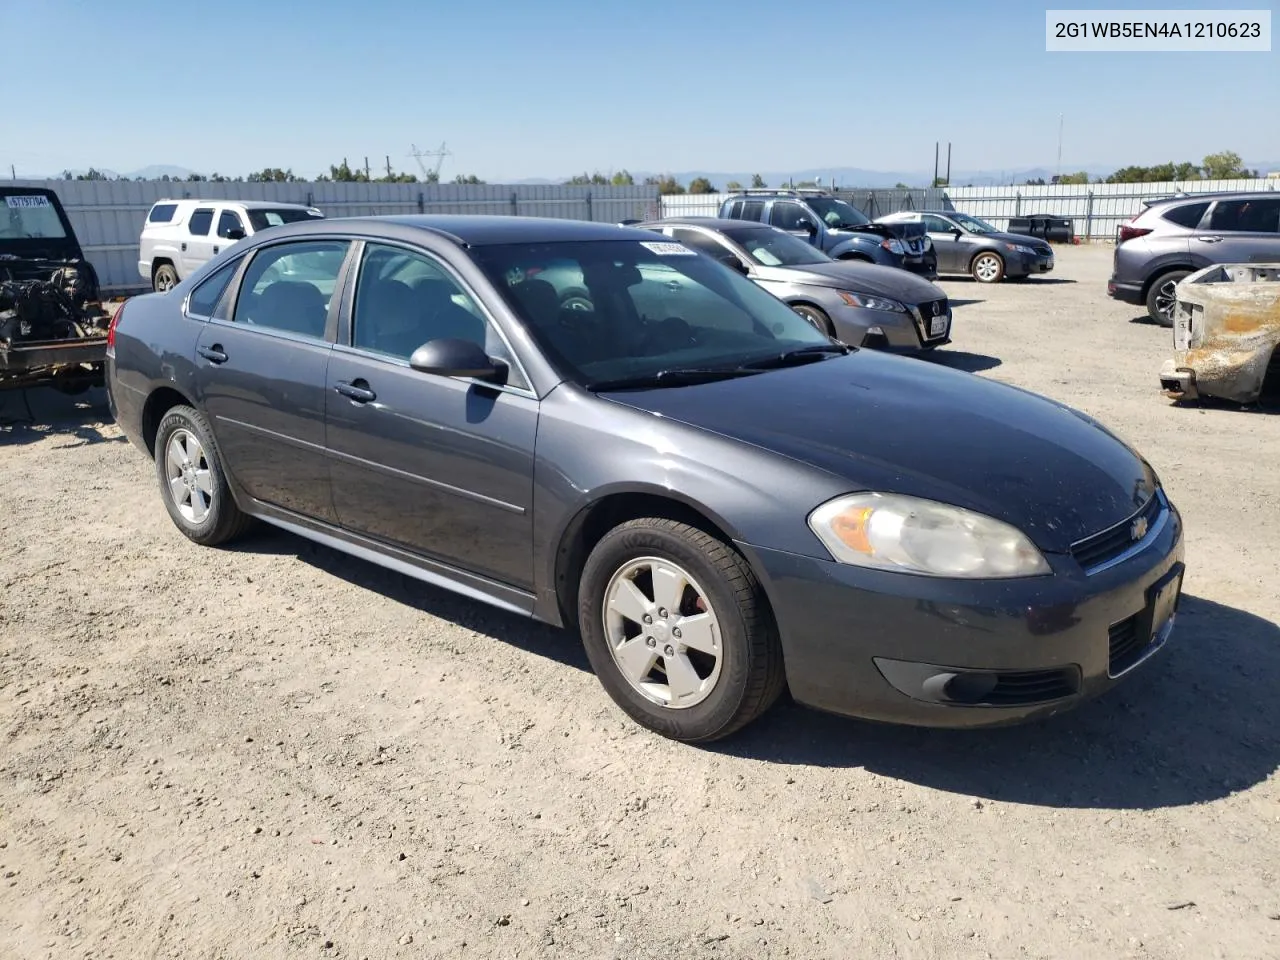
791 358
675 377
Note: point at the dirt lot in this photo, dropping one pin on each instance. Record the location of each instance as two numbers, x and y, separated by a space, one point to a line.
276 751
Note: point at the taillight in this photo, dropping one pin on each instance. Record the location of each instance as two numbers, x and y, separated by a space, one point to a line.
1129 232
111 327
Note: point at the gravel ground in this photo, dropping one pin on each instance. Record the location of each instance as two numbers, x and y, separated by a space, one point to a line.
275 751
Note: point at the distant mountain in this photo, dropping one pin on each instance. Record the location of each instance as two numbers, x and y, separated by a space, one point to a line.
158 171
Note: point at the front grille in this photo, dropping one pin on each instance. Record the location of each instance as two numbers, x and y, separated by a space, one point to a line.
1044 251
1128 641
1033 686
1110 543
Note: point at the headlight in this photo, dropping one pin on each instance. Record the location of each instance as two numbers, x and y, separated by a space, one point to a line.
868 302
893 246
1020 248
928 242
909 535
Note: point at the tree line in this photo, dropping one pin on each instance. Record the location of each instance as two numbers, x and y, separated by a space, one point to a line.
1226 165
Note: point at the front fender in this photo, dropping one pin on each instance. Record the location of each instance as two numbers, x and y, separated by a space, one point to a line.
867 247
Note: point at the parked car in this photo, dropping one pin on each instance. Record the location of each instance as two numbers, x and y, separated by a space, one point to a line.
859 303
1226 335
721 500
835 227
965 244
181 235
1173 238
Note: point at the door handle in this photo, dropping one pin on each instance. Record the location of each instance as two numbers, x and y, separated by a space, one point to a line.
1209 239
357 390
184 248
215 249
213 354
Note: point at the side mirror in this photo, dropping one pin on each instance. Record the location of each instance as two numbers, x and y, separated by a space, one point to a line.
457 358
733 263
957 233
235 233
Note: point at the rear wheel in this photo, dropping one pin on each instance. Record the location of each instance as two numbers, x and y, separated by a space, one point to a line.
677 630
193 483
164 278
987 267
818 318
1162 295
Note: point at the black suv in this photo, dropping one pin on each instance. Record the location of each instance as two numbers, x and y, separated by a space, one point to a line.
837 228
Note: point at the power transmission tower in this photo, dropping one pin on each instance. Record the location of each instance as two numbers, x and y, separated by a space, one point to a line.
433 175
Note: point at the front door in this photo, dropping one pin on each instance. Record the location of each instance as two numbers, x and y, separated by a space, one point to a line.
262 375
228 223
438 465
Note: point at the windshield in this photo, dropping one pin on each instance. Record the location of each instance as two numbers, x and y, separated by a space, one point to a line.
27 216
836 213
261 219
773 248
618 309
972 224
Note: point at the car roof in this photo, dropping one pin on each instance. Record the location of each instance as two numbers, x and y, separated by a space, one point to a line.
247 204
718 224
485 230
1214 195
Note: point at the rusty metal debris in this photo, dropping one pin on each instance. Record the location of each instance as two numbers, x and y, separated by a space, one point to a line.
1226 334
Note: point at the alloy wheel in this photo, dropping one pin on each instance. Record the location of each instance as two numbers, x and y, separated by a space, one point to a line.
190 483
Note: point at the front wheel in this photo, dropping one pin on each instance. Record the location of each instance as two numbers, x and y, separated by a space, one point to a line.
1163 295
677 630
816 317
987 268
165 278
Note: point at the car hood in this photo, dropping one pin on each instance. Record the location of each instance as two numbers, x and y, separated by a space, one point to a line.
902 425
872 278
1035 243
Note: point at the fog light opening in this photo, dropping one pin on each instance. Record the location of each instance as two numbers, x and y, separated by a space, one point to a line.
962 687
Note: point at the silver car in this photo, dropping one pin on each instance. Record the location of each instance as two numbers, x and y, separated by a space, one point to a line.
858 303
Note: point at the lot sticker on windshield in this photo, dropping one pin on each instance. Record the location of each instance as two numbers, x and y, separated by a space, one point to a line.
36 201
668 249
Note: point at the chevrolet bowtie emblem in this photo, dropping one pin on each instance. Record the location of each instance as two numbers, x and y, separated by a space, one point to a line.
1138 529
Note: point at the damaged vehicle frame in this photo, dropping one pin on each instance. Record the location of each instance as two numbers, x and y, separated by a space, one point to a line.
53 328
1226 335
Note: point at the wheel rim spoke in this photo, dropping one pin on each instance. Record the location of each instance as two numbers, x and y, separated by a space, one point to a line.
682 680
629 602
199 506
176 454
204 482
668 588
178 490
636 659
698 633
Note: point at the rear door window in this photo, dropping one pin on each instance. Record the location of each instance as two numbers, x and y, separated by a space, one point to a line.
288 286
1254 215
201 220
1187 215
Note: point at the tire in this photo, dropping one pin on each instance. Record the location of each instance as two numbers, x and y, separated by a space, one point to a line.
192 481
987 267
164 278
816 317
722 691
1161 292
855 258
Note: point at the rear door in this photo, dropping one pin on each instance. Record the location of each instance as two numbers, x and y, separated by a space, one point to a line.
1240 231
441 466
943 234
261 366
196 241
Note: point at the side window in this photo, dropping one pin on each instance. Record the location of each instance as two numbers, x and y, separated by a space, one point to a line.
936 224
700 242
752 210
162 213
734 211
1255 215
201 220
288 286
229 220
1188 215
405 298
204 298
789 216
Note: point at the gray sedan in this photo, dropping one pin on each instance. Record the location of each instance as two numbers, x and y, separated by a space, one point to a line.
858 303
966 244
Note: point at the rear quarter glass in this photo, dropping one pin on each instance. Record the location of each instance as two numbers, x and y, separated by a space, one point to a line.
1185 214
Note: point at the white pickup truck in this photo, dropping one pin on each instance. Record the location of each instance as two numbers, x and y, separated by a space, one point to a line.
180 235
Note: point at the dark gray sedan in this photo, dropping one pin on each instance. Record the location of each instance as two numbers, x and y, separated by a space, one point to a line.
966 244
859 303
722 500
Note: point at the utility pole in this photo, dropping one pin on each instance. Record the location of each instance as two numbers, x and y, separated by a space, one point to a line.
935 164
366 168
948 163
388 166
1059 146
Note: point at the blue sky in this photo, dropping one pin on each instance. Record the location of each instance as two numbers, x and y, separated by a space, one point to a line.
521 89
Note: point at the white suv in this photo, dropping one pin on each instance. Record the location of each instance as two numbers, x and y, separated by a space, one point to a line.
180 235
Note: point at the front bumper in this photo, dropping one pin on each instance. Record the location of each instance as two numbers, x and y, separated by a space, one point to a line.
881 329
1178 383
882 646
925 266
1028 264
1125 292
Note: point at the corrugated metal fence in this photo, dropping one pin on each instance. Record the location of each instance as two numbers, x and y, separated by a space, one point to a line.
108 214
1097 209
